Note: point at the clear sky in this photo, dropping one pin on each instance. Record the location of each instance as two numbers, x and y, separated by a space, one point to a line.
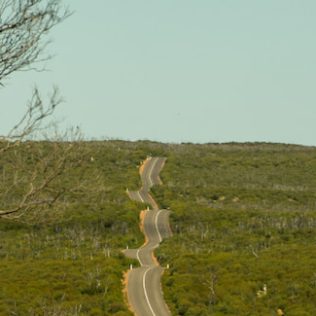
181 70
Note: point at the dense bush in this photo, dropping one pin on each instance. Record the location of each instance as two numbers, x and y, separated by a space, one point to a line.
243 217
67 259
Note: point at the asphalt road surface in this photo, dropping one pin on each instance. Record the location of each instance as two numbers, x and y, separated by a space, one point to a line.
144 288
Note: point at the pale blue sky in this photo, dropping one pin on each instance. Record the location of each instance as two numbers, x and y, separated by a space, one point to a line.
180 70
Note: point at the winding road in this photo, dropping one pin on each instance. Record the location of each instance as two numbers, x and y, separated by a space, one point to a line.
143 287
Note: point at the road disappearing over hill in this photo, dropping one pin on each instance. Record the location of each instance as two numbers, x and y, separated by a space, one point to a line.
143 287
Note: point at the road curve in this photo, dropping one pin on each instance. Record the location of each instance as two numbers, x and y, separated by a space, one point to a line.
143 287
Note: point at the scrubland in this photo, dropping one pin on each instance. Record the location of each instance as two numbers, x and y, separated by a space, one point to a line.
243 217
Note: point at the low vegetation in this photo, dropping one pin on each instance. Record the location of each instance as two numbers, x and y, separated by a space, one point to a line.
66 259
244 226
243 218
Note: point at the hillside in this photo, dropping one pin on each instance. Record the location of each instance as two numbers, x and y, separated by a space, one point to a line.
243 216
67 260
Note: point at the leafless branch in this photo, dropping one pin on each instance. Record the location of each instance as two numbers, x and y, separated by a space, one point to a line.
30 169
32 120
35 169
23 26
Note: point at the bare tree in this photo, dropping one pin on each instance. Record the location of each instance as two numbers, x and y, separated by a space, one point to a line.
33 174
30 169
23 27
211 284
32 120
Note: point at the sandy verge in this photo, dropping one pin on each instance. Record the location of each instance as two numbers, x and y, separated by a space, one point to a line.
141 168
124 290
